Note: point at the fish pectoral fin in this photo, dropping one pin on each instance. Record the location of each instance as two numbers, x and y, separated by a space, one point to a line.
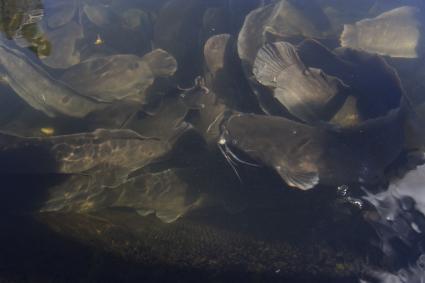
298 178
272 59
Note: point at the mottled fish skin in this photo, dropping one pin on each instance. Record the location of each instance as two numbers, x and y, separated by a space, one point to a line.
40 90
121 76
305 156
78 153
165 194
308 93
397 33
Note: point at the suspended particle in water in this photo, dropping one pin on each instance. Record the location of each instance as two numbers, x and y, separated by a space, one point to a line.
99 40
48 131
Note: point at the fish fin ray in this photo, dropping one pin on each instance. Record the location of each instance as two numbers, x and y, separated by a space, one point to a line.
272 59
299 179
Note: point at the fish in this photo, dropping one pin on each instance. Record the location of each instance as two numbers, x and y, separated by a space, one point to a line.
134 19
165 194
40 90
99 14
60 12
284 19
119 77
63 53
215 52
118 152
305 156
164 120
308 93
364 73
397 33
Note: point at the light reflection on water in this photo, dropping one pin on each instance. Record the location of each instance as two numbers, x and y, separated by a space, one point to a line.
220 139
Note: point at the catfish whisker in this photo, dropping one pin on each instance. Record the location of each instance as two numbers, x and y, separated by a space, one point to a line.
233 155
214 122
230 162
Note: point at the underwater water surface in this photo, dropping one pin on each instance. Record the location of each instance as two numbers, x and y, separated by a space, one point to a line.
212 141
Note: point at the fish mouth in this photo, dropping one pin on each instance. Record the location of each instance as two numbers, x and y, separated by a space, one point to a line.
225 144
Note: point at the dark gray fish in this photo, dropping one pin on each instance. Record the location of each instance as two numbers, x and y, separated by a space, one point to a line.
396 33
40 90
121 76
118 152
305 156
308 93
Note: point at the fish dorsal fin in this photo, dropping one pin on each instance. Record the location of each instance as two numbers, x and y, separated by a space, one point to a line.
298 178
272 59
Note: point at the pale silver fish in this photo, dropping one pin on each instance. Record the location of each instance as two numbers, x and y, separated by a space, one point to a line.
39 89
308 93
305 156
397 33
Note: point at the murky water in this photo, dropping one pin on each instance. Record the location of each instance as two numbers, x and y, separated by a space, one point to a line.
213 141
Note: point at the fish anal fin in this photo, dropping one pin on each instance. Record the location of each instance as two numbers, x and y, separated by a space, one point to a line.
299 178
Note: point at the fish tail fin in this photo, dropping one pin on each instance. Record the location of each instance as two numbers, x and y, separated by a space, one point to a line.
272 59
161 63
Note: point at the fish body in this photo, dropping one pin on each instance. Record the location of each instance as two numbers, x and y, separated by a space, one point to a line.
119 150
308 93
63 51
42 92
396 33
305 156
120 76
